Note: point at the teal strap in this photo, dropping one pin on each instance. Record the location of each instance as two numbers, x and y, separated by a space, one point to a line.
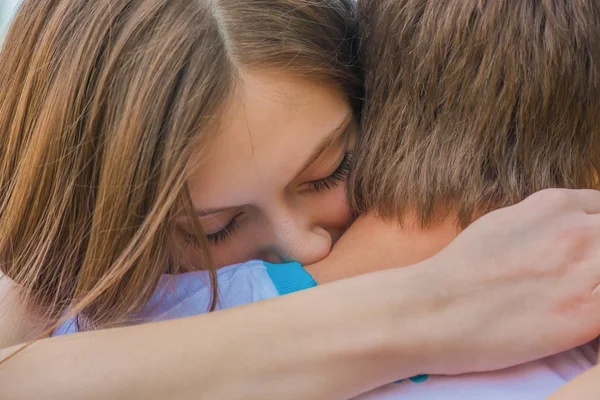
289 277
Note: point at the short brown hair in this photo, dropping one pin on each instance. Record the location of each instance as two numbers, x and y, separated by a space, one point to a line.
472 105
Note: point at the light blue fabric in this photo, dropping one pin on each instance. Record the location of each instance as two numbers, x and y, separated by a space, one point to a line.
189 294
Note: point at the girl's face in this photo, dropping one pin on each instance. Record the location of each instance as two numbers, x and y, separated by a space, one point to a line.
271 184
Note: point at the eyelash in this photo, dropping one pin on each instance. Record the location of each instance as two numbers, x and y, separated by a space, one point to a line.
214 238
223 234
339 175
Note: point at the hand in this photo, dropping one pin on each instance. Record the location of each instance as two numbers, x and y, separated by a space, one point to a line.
519 284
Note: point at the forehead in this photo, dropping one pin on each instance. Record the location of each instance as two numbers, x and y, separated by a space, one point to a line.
270 127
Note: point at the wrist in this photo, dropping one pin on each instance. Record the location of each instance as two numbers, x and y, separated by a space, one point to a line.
422 313
454 333
363 332
402 321
411 311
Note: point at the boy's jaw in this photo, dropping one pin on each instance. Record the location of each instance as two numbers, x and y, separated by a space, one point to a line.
372 244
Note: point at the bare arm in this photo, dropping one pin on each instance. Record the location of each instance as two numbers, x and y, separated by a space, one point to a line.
289 347
534 266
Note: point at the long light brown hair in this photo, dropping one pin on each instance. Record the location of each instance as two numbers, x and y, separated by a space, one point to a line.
472 105
105 105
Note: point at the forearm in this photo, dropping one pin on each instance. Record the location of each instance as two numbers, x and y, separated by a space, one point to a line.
330 342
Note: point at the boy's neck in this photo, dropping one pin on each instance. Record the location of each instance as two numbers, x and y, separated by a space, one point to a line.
373 244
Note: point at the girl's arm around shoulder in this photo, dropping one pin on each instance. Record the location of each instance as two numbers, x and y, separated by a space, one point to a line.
329 342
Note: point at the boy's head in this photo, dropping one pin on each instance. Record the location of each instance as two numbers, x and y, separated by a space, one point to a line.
472 105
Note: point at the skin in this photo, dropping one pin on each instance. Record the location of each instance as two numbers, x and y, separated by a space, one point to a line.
374 244
279 137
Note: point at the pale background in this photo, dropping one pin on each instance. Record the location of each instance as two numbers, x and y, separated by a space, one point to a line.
7 8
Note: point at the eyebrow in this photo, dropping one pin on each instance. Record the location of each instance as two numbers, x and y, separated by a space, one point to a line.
334 136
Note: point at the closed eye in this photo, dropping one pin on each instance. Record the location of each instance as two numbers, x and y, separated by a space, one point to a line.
340 174
224 234
215 238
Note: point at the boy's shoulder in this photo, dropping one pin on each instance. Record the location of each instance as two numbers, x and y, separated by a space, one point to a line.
190 293
187 294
